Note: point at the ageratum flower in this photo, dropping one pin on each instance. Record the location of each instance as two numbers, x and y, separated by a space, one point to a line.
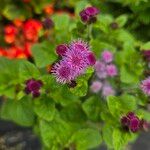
76 57
107 90
96 86
79 56
33 87
63 72
111 70
88 15
131 122
107 56
145 86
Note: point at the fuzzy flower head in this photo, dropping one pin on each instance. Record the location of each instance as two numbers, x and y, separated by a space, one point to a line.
107 90
111 70
63 72
48 23
79 56
96 86
80 45
100 68
145 86
107 56
33 87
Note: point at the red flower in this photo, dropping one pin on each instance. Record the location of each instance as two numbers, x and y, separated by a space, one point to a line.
10 34
31 29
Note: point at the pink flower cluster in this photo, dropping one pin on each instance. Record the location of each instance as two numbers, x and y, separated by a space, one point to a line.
145 86
104 69
76 58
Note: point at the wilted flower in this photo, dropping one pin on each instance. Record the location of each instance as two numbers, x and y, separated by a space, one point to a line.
146 55
33 87
145 86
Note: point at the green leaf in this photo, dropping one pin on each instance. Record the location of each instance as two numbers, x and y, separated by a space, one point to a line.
55 132
61 21
86 139
113 105
121 20
92 107
18 111
28 70
107 135
145 46
45 108
127 76
128 102
121 139
43 54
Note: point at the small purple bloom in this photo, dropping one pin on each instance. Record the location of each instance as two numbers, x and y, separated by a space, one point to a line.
100 68
107 56
63 72
131 115
125 121
88 15
145 86
91 58
146 55
61 49
134 124
111 70
48 23
33 86
84 16
107 90
96 86
91 11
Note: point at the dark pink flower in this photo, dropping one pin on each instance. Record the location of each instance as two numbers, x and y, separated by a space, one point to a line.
91 11
48 23
134 125
61 49
91 58
33 86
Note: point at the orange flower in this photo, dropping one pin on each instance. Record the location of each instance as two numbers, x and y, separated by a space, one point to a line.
18 23
49 10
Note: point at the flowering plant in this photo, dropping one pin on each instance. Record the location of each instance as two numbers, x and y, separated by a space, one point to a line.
83 80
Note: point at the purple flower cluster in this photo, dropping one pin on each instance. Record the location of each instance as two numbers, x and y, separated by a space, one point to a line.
76 57
33 87
145 86
88 15
133 123
104 69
